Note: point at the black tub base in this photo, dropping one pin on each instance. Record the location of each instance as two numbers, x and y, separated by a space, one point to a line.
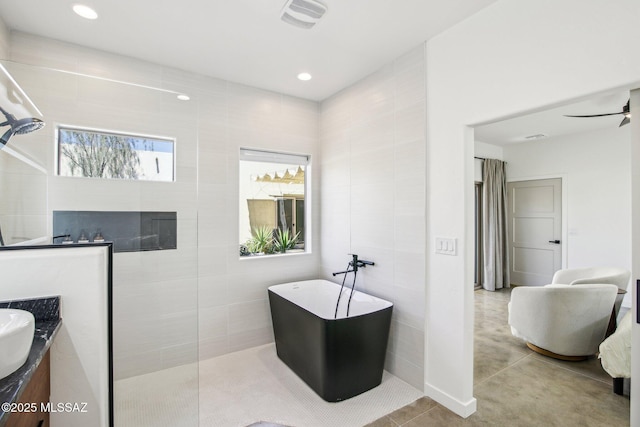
338 358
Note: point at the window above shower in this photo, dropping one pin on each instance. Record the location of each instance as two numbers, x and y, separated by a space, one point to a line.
113 155
273 194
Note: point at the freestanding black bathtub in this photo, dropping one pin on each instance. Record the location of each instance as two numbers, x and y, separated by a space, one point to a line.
338 358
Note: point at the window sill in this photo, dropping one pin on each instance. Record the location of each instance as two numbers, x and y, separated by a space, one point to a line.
292 253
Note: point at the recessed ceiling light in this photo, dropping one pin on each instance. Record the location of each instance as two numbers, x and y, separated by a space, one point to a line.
536 136
304 76
183 97
85 11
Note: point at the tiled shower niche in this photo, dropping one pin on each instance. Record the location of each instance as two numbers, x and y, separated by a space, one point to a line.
129 231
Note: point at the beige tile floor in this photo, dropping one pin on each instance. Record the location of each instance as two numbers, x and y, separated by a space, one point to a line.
517 387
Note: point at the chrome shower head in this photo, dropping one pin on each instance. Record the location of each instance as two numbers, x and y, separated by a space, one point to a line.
18 126
27 125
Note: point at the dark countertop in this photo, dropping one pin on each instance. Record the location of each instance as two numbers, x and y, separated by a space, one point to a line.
47 314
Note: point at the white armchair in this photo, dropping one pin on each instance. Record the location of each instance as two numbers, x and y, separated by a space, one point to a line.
560 320
580 276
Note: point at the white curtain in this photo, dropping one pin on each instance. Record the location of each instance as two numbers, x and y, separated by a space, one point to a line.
494 225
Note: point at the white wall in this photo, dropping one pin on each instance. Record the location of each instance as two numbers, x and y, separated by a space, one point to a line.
173 307
387 205
232 293
80 351
512 57
484 150
487 150
372 139
635 329
21 218
596 168
4 40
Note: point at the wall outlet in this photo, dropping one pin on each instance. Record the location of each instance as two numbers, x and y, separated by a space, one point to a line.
446 246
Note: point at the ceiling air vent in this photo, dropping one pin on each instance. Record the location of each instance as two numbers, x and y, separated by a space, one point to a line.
303 13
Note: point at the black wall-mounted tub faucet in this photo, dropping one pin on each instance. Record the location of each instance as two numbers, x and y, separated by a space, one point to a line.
354 264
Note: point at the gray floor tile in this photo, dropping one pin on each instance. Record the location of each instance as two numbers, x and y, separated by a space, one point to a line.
517 387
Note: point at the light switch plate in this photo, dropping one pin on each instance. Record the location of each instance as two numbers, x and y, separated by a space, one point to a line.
446 246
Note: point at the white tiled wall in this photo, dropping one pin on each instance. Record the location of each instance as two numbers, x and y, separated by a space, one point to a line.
368 177
199 301
234 311
21 218
372 191
4 40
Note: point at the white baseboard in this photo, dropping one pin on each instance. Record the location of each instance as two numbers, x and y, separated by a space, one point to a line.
464 409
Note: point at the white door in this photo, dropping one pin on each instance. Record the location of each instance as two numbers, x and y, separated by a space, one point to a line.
535 230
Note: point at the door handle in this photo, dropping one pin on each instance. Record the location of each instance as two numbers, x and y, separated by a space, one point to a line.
556 242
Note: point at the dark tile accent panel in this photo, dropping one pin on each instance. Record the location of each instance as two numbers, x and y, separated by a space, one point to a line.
47 314
129 231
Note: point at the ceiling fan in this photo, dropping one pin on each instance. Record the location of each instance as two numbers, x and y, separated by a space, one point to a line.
625 111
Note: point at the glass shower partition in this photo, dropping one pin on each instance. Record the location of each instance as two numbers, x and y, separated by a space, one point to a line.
153 223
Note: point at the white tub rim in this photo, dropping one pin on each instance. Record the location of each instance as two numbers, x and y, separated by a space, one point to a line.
322 302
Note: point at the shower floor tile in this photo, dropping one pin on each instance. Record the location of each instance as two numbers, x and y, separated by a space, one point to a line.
247 388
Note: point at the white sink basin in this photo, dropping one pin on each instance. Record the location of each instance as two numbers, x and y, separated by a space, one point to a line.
16 337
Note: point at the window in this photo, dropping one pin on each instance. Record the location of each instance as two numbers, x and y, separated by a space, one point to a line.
88 153
272 202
